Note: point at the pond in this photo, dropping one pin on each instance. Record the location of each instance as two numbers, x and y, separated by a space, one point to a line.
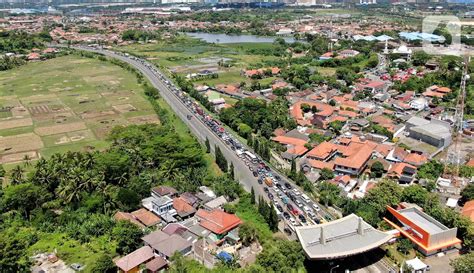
233 39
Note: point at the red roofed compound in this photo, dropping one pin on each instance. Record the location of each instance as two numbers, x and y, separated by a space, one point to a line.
218 221
355 163
323 111
429 235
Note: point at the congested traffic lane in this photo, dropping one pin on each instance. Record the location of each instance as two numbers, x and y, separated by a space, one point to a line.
205 127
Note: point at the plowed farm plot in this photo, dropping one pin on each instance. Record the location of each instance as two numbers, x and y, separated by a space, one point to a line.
66 104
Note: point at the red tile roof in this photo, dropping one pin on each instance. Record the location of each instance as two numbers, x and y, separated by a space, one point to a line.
468 210
289 140
397 169
323 150
125 216
146 217
357 157
318 164
181 206
297 150
218 221
416 159
324 110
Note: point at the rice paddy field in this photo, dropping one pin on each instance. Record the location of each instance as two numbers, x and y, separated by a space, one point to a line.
64 104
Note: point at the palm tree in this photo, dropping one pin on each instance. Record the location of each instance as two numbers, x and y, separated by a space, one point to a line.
16 175
27 161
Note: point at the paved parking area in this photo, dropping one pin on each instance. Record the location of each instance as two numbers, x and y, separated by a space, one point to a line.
441 264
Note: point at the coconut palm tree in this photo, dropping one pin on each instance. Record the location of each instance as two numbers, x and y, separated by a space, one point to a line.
16 175
26 161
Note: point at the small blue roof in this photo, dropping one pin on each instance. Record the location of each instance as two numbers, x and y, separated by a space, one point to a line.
225 256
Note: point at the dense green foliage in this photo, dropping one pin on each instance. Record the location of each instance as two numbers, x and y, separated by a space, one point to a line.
430 170
20 42
467 194
139 35
464 263
262 117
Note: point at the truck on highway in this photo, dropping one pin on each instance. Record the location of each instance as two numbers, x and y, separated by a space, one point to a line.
268 181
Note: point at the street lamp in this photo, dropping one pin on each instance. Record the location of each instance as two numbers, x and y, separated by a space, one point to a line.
334 267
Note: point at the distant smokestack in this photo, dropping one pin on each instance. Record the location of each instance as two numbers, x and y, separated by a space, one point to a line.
322 239
360 228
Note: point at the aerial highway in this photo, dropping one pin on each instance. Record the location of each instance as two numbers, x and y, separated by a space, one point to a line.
294 207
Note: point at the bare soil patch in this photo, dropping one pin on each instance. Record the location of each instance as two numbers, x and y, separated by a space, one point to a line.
60 128
144 119
91 115
20 143
15 123
18 157
124 108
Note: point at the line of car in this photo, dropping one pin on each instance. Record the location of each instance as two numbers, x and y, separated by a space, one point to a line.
299 208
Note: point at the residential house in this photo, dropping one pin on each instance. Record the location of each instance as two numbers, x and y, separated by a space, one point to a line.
190 198
125 216
403 172
216 203
163 206
356 160
436 91
164 191
131 263
156 265
183 209
347 53
218 221
165 245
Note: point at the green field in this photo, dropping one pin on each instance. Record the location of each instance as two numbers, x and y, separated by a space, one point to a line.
188 55
66 104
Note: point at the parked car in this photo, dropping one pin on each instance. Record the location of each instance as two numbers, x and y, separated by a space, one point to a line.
288 185
265 189
287 231
286 215
302 218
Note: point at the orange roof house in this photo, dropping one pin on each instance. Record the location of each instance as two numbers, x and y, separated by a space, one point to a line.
436 91
218 221
322 151
227 88
182 208
357 159
416 159
146 217
289 141
468 210
324 111
429 235
318 164
125 216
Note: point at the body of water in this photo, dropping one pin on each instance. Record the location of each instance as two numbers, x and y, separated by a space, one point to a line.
233 39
